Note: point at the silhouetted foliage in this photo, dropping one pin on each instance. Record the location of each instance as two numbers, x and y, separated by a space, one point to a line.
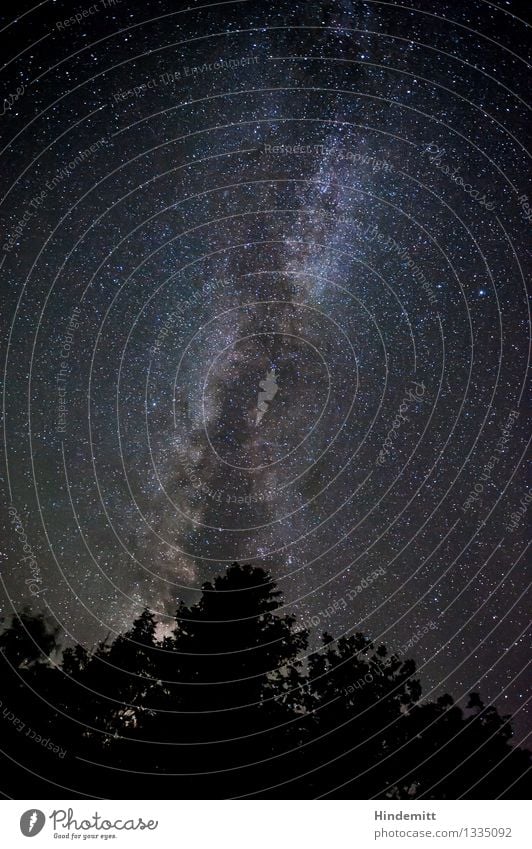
229 704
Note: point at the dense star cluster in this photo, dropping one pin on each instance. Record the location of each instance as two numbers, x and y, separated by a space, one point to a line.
264 270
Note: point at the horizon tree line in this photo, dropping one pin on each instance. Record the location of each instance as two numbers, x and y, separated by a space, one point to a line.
232 703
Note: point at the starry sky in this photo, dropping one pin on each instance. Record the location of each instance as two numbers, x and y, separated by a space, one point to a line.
322 207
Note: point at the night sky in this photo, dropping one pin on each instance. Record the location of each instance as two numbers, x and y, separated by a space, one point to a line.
322 208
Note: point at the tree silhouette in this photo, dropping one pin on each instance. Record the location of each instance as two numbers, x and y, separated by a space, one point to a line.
221 671
228 704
